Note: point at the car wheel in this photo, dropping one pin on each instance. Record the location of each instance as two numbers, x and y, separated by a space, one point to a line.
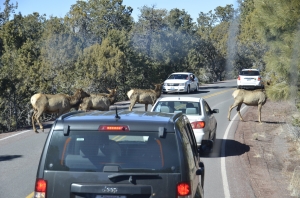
188 89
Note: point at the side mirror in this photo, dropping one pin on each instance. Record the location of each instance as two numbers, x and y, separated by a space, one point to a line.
215 111
200 171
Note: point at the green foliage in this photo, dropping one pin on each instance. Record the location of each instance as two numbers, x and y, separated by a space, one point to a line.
278 25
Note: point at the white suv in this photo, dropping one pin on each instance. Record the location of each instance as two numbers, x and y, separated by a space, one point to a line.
249 79
181 82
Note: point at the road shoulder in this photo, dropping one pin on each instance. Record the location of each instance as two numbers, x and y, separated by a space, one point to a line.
272 159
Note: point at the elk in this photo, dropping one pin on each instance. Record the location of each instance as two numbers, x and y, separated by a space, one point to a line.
57 103
99 101
250 98
144 96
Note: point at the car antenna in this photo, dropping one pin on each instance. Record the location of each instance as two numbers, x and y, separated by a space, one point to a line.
117 117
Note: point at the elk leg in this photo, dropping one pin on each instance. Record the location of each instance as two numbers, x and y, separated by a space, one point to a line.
259 113
32 120
132 103
238 110
37 118
229 111
146 107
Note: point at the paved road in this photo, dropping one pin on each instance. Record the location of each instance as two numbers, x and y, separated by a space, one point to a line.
20 151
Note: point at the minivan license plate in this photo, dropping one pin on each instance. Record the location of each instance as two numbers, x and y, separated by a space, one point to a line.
110 196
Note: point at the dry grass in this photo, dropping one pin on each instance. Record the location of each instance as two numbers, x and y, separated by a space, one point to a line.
295 183
275 146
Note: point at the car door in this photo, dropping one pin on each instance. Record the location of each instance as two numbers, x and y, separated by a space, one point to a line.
194 159
193 85
210 115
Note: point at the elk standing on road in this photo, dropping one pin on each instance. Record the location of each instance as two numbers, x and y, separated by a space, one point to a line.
57 103
144 96
249 98
99 101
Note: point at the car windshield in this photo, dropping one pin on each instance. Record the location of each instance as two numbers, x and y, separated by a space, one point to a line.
178 76
187 108
249 73
95 151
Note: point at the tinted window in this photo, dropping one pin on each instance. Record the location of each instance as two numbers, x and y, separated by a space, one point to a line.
92 151
189 151
178 76
178 106
249 73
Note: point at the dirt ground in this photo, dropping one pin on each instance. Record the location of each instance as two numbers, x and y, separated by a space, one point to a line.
273 162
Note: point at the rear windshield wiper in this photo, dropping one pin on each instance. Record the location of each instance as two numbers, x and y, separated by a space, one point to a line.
132 174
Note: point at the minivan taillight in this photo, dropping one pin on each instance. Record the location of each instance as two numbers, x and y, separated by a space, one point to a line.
239 78
40 188
198 124
258 78
183 189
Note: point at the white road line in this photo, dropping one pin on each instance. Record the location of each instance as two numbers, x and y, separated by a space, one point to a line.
14 135
223 164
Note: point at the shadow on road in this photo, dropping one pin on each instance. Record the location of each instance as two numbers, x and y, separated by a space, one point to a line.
232 148
182 93
217 87
9 157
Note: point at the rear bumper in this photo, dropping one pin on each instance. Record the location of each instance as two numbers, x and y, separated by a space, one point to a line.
173 89
250 87
199 135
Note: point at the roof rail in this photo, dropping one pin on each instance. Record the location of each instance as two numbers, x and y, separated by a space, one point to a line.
63 116
175 116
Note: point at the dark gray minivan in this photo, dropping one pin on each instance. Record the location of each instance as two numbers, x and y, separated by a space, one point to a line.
125 154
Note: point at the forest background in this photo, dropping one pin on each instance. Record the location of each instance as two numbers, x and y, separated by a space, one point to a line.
97 45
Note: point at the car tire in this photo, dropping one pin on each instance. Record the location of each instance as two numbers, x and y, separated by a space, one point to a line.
188 89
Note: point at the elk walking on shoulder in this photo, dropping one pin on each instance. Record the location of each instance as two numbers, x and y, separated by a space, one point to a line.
57 103
144 96
99 101
249 98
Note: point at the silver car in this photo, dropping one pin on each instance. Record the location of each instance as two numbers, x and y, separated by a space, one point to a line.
199 114
181 82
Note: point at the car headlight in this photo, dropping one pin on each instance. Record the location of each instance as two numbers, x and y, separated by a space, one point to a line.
165 84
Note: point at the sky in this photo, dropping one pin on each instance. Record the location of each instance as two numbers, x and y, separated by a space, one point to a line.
60 8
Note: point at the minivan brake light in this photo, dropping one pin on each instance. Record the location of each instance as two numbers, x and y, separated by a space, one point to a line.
40 188
113 128
183 189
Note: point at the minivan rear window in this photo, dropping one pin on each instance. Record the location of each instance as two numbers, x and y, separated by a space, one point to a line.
249 73
94 151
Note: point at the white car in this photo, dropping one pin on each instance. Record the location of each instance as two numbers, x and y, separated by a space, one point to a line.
181 82
199 114
249 79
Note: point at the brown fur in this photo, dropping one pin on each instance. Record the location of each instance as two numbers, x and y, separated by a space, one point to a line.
57 103
250 98
144 96
99 101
